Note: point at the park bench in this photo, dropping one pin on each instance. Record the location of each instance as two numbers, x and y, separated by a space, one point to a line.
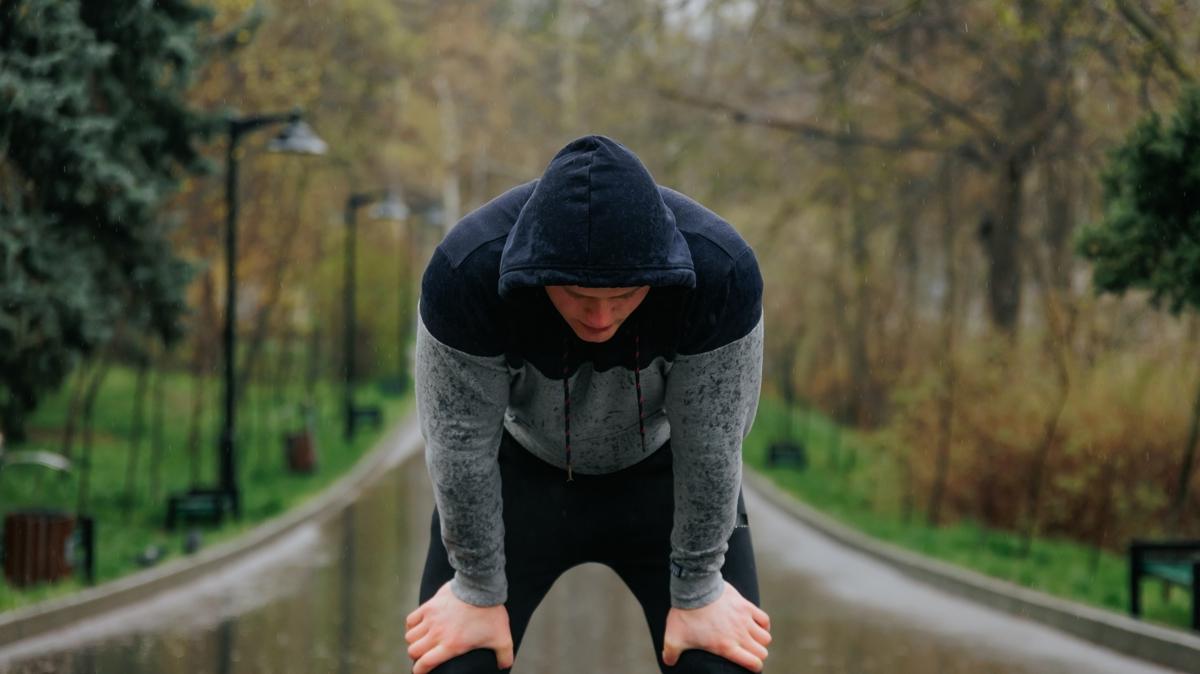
198 505
787 453
1173 562
394 386
372 414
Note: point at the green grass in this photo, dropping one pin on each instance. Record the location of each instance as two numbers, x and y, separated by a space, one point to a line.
857 483
126 527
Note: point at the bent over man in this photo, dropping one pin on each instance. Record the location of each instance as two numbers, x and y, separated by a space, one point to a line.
589 356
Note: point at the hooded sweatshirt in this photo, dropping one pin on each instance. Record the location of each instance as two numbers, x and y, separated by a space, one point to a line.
493 354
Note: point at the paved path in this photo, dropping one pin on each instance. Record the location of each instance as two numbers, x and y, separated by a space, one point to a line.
332 598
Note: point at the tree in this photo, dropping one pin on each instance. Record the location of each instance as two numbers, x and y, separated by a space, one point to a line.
1149 235
94 134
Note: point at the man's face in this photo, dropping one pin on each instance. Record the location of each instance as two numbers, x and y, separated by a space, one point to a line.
595 313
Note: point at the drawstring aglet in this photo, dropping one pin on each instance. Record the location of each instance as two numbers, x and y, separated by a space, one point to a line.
570 474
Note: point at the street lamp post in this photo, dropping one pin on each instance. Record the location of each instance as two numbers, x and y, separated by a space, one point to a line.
296 138
389 207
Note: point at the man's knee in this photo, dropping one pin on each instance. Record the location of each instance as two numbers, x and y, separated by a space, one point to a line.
703 662
478 661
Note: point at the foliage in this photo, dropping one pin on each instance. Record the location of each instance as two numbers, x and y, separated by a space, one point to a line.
774 114
863 493
94 134
1149 237
1090 497
894 165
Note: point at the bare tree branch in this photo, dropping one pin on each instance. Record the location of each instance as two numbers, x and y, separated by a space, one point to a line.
937 100
1141 23
815 132
1035 132
981 50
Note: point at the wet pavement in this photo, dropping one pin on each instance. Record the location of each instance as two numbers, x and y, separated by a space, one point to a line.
332 597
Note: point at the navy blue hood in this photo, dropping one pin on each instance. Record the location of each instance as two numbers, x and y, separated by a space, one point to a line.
595 219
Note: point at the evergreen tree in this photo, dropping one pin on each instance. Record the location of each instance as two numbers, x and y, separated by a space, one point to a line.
1149 236
95 133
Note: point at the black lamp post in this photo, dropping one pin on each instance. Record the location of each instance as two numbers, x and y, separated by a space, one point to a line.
389 207
296 138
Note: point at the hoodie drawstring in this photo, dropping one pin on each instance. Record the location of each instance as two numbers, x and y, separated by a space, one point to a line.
567 404
637 382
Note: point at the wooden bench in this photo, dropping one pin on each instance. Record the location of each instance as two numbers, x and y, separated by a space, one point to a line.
1173 562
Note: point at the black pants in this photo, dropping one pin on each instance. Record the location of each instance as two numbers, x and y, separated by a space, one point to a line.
622 520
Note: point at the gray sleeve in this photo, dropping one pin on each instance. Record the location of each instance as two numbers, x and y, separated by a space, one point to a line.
461 399
711 400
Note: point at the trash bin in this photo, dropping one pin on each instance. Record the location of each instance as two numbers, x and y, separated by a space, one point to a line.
44 545
300 447
36 546
301 452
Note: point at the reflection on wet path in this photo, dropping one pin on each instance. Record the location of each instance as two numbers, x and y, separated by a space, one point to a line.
333 597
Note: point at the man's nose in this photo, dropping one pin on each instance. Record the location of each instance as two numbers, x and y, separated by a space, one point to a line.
600 315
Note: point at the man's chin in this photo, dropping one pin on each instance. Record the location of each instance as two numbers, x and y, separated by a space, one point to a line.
595 336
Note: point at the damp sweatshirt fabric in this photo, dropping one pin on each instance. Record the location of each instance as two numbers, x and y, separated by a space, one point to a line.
493 354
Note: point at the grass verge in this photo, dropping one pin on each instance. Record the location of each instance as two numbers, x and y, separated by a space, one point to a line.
129 515
853 480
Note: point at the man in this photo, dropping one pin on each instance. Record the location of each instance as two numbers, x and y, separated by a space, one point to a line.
589 357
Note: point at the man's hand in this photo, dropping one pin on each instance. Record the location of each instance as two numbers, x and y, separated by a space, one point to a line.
445 627
730 627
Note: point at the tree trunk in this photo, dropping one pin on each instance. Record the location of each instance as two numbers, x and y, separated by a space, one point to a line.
569 25
860 408
988 509
845 329
157 442
908 249
312 368
135 433
1038 470
1108 475
283 366
865 407
909 258
909 497
949 374
451 152
204 348
264 416
277 280
85 459
1060 326
1185 471
199 385
1060 211
74 407
1000 234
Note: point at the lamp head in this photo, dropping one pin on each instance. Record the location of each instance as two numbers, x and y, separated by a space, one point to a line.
391 207
297 138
